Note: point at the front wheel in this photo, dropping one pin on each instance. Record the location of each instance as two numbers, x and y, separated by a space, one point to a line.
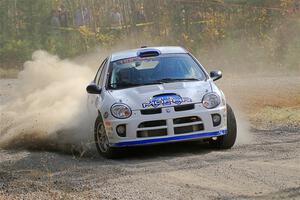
101 140
228 140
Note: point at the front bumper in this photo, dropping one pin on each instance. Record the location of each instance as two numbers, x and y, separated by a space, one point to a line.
168 114
184 137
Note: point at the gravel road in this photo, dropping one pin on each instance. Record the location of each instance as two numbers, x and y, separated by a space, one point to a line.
268 167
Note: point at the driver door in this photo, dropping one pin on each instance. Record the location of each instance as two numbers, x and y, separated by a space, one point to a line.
95 99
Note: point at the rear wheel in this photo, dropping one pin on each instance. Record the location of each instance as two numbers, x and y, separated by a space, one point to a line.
101 140
228 140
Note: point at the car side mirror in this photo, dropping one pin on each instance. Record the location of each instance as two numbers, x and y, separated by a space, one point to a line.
93 89
215 75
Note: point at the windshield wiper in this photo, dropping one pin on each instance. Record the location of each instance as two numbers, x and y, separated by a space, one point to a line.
128 84
168 80
152 83
123 84
161 81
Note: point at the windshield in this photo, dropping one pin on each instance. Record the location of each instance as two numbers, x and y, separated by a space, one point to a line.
166 68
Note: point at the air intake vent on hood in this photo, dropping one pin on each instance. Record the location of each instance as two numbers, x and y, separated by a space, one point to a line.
148 53
165 94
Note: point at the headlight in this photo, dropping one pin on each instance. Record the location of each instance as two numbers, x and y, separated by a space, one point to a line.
120 111
211 100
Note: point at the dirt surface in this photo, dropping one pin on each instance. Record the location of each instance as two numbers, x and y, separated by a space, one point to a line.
265 167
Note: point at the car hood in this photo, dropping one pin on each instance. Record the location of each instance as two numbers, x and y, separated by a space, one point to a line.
162 95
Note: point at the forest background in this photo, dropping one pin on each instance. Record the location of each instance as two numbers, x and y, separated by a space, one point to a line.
254 34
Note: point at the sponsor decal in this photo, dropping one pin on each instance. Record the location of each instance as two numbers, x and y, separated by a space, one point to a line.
108 128
105 115
107 124
166 100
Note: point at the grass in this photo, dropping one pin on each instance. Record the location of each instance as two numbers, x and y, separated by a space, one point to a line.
9 73
272 118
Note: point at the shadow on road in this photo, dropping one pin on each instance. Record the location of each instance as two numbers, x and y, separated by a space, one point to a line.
164 151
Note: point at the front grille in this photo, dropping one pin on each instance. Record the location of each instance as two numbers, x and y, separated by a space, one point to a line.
152 133
180 125
183 120
152 123
188 129
184 107
187 124
151 111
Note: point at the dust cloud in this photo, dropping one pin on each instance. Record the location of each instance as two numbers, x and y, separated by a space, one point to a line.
244 133
48 105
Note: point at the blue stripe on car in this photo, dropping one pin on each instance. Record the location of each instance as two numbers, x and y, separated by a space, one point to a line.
172 138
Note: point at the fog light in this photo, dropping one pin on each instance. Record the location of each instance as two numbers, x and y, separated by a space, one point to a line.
214 138
121 130
216 119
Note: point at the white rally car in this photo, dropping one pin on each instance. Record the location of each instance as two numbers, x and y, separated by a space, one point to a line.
157 95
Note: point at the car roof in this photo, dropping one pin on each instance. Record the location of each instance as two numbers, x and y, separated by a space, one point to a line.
134 52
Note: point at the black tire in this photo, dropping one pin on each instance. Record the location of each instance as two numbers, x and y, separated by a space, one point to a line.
228 140
100 136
